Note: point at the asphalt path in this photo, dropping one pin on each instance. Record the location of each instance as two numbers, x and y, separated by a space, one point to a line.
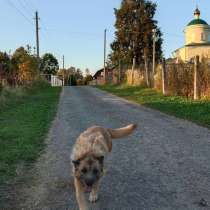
164 165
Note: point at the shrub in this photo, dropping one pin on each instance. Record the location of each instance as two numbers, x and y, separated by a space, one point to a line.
1 87
80 82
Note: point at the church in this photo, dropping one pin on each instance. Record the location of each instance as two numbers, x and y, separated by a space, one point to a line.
197 40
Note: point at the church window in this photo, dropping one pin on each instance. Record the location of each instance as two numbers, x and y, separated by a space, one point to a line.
203 37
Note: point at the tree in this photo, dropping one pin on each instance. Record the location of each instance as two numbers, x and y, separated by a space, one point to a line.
71 75
134 34
87 79
4 64
25 65
5 68
78 74
49 64
28 70
87 72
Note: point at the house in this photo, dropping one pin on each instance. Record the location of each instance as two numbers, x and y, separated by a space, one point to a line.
98 77
197 40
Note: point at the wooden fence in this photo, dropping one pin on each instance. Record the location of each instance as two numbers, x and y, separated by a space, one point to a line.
186 79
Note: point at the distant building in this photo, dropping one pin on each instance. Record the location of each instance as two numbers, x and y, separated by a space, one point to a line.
197 40
98 77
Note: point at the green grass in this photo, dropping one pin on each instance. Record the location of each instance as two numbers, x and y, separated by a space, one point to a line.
195 111
25 117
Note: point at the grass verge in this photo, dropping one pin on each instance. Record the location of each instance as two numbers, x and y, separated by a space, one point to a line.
195 111
25 117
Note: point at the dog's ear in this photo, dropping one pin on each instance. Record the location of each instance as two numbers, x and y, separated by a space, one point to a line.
101 159
76 163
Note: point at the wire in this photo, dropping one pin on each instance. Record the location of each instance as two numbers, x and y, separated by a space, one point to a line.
24 7
74 32
19 11
31 5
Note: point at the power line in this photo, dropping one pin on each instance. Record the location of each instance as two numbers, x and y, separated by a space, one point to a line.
32 5
29 5
74 32
19 11
44 30
24 7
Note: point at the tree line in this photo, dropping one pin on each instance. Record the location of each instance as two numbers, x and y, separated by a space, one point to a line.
74 76
23 67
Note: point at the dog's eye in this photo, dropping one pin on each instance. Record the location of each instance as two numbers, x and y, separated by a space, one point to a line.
95 171
84 170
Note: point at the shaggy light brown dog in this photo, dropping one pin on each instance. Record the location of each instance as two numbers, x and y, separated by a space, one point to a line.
88 159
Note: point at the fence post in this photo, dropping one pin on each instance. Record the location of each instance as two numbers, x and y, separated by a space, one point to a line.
164 76
196 66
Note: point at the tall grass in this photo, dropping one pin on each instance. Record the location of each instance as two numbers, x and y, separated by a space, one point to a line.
11 95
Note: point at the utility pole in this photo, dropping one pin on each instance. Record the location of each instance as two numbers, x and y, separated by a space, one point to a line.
154 42
105 56
196 66
37 33
134 64
63 71
119 78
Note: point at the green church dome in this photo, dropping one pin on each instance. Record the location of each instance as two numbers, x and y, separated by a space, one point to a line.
197 21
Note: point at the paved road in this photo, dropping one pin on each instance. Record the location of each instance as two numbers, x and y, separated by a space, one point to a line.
164 165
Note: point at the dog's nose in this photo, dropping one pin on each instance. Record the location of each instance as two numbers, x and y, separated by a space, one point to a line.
89 182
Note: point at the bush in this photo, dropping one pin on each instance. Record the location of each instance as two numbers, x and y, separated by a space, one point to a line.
1 87
87 79
80 82
72 80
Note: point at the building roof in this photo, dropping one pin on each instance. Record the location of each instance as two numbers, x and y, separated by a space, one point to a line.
197 22
197 12
98 73
198 44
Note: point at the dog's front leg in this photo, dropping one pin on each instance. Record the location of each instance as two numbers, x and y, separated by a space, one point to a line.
80 195
94 193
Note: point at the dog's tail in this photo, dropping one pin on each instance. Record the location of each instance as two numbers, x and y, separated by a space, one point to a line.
121 132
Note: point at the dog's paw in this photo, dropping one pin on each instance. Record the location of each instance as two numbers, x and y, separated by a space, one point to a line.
93 197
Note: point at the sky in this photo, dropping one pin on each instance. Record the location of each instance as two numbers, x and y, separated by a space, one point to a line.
75 28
